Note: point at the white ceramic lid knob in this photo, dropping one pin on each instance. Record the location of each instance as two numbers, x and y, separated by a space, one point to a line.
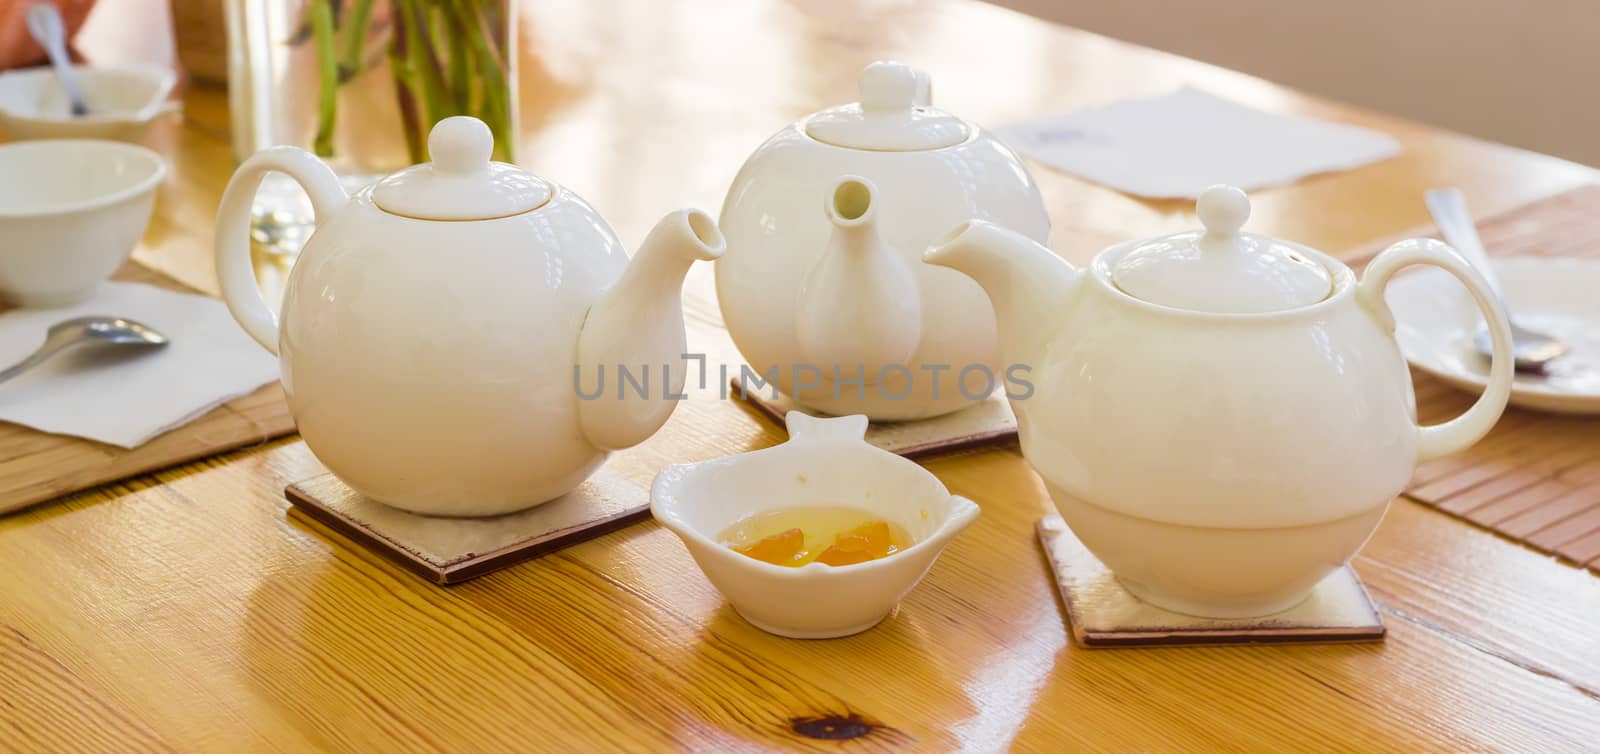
1223 210
1222 270
462 182
892 116
887 86
460 144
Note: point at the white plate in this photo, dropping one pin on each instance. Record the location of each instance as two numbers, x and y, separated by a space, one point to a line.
1436 318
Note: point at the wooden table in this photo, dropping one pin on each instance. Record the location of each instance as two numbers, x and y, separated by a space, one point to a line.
186 611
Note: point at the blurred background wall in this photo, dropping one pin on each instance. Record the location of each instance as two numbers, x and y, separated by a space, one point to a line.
1522 72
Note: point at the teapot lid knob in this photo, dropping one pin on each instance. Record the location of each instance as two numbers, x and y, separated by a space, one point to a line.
892 116
462 182
460 145
1223 210
888 86
1222 270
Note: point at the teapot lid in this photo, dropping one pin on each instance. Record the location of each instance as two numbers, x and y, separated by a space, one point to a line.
892 116
461 183
1221 270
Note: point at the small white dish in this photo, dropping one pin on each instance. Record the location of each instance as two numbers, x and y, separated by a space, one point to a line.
1435 320
71 211
123 103
824 462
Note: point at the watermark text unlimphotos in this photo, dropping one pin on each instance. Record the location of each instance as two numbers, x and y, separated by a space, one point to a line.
891 382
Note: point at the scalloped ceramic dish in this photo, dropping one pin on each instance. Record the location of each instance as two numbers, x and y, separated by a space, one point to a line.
825 461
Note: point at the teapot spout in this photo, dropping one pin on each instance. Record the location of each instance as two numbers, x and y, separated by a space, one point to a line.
860 307
1026 282
634 335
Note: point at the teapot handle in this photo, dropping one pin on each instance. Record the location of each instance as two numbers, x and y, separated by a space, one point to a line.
1464 430
235 272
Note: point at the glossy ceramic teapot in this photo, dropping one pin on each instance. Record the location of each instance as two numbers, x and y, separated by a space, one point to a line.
433 327
826 222
1221 418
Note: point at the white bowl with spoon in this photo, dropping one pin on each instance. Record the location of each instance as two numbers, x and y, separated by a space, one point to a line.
123 103
71 212
825 466
74 102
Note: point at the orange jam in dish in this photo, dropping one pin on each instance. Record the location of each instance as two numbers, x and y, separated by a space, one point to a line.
835 535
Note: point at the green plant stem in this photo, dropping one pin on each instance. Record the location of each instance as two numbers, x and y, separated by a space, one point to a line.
328 73
355 38
445 56
495 110
423 63
461 66
405 88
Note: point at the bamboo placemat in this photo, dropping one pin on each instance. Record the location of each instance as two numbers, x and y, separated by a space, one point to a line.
37 466
1536 477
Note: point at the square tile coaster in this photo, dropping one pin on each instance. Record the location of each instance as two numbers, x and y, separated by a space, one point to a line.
988 421
453 550
1103 614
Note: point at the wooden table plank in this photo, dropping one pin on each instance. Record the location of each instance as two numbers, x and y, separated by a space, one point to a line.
983 638
35 686
188 601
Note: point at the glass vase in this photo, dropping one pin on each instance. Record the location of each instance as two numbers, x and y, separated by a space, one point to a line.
360 83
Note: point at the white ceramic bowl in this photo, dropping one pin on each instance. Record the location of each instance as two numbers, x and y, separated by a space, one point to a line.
825 462
123 103
70 212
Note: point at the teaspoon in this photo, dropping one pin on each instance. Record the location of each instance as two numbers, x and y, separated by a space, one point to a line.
1532 349
44 24
100 332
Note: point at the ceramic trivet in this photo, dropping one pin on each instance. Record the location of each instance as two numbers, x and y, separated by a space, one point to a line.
1103 614
988 421
453 550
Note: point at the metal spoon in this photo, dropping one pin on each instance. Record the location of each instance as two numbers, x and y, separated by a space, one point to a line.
44 24
1532 349
102 332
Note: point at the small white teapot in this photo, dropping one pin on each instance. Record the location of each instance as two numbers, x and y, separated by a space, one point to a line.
1221 418
434 323
826 223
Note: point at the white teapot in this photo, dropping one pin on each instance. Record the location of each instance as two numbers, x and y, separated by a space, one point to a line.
1221 418
433 325
826 223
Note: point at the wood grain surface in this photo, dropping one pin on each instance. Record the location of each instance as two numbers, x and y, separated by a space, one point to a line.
183 610
38 466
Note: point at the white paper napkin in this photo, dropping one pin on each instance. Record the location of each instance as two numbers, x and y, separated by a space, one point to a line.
126 399
1176 145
